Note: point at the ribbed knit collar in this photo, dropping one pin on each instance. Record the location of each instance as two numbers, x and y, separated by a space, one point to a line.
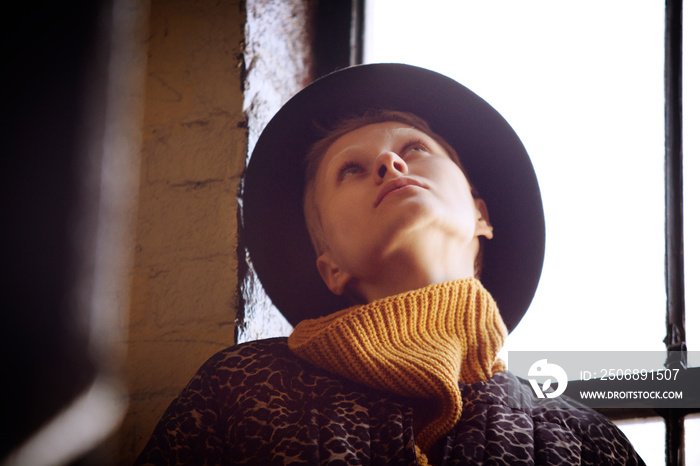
419 344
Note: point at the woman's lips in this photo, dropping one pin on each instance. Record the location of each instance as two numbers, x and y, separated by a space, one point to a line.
393 185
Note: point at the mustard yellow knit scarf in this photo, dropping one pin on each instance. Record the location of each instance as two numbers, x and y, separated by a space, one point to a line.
417 344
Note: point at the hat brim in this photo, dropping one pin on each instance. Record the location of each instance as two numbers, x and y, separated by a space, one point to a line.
274 230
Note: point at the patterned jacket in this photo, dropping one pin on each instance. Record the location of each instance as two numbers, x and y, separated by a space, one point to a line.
258 403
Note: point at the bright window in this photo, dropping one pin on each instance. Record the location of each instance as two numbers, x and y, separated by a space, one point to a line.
582 85
692 434
647 436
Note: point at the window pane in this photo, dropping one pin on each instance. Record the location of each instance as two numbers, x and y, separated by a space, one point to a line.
692 434
582 85
648 438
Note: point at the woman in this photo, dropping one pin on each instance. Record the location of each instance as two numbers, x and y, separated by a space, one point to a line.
395 219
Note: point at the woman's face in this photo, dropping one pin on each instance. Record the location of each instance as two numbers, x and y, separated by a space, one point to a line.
385 189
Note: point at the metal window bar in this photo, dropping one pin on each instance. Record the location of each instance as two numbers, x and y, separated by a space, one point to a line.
675 289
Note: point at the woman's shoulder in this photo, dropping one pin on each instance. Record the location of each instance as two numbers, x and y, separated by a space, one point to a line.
247 359
271 348
266 364
557 427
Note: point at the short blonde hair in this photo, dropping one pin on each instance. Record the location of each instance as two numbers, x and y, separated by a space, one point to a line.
313 158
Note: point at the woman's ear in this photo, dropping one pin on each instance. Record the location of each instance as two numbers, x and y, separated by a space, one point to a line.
483 225
336 279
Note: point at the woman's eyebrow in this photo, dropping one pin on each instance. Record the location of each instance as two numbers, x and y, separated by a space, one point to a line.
348 151
404 129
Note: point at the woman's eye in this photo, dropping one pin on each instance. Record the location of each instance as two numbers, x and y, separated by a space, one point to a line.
348 169
415 146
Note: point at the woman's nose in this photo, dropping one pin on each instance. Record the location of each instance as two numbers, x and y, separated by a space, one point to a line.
389 163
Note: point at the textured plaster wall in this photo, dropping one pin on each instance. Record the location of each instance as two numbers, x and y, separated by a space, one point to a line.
278 62
184 284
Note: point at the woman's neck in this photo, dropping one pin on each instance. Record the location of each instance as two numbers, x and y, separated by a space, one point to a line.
418 266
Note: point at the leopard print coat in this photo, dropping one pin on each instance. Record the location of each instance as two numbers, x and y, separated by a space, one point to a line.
257 403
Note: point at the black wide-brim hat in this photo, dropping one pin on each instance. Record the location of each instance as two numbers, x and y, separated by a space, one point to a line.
274 230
